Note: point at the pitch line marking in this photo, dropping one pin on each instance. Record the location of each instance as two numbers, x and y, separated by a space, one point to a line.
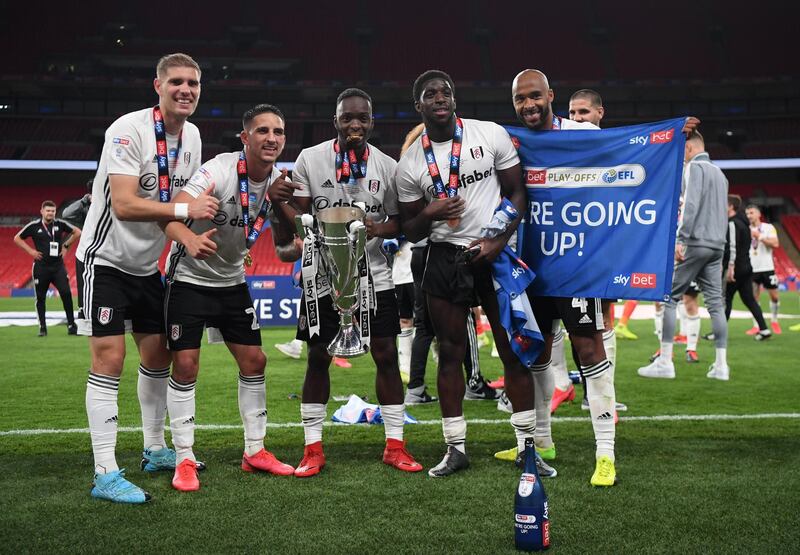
476 421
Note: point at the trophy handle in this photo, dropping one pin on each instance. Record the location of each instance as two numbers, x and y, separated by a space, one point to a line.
301 229
360 243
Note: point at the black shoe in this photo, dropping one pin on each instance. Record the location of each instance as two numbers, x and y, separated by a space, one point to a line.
482 392
424 397
544 469
42 332
453 461
72 330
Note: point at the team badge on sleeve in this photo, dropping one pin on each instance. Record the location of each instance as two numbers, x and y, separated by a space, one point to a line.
104 314
175 332
374 186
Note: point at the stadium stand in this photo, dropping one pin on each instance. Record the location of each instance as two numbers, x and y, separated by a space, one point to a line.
791 223
26 200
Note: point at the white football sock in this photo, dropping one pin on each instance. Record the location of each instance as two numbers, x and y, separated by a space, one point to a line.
151 387
774 306
181 407
313 415
253 410
692 332
454 429
524 424
602 400
559 362
722 357
544 383
101 409
666 350
393 420
610 346
404 342
658 321
682 316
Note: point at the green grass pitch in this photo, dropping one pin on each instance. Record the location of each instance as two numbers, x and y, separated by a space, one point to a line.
685 486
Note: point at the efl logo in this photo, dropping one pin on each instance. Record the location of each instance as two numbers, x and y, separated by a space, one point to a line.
663 136
535 177
643 281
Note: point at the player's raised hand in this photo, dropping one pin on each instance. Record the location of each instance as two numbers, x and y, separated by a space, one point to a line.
205 206
202 246
282 190
690 125
446 209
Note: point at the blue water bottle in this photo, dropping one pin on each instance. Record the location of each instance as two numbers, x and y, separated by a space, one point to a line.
531 516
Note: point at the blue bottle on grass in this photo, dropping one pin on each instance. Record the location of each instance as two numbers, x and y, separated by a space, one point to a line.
531 516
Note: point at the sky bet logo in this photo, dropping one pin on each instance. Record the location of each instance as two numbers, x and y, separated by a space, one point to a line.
654 138
636 280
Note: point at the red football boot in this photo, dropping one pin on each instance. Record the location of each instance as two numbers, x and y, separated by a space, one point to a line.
313 461
395 455
499 383
560 396
185 478
266 462
752 331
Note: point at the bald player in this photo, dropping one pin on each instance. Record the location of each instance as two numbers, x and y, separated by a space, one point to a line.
533 98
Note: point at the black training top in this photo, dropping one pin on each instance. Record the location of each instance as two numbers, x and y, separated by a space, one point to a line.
43 234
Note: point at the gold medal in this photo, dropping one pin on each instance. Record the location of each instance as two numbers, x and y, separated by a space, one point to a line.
248 260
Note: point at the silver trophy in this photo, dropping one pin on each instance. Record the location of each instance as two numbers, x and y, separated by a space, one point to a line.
342 241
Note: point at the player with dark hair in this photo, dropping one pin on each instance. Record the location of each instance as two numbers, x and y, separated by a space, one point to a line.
76 214
698 256
764 239
738 268
51 238
341 172
147 155
208 288
482 166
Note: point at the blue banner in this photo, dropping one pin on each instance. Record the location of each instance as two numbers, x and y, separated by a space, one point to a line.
276 300
603 208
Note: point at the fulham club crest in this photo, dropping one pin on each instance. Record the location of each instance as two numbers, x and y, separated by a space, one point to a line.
374 186
104 314
477 152
175 332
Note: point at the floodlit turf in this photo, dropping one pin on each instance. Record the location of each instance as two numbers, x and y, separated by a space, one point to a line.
684 486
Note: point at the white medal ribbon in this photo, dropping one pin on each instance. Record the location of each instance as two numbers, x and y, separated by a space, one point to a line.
309 274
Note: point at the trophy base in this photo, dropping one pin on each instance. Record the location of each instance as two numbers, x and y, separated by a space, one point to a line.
347 343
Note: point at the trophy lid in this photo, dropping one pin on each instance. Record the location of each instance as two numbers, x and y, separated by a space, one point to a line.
340 215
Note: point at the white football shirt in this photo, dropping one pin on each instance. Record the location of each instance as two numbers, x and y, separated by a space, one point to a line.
130 149
226 267
761 254
315 172
486 149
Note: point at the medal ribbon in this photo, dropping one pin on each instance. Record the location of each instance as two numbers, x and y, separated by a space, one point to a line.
345 165
162 156
308 272
251 232
455 161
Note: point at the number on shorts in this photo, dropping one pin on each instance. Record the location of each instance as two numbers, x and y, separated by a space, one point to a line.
580 302
773 280
252 312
